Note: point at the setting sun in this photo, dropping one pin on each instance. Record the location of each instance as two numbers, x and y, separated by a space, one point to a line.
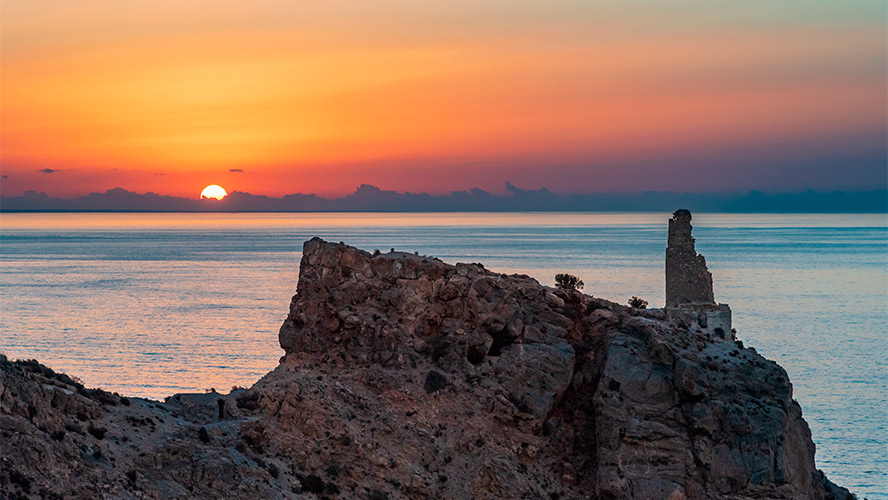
213 191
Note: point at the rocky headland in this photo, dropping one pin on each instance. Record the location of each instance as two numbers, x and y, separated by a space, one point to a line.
405 377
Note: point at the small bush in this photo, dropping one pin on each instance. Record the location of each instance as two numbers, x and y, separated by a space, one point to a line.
568 282
434 382
273 470
102 396
72 427
248 401
333 470
638 303
312 484
24 482
97 432
520 404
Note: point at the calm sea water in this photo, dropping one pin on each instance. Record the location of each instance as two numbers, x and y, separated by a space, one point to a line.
153 304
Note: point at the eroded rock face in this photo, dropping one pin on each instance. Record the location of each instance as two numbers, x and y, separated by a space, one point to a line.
405 377
614 402
60 440
687 279
400 310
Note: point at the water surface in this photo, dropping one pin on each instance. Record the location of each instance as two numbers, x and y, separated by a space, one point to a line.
153 304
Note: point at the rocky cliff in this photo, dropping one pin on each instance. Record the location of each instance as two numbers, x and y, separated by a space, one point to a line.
405 377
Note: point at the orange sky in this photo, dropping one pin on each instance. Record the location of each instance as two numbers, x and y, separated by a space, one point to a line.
169 96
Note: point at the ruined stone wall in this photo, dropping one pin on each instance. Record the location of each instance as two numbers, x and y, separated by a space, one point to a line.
719 320
687 279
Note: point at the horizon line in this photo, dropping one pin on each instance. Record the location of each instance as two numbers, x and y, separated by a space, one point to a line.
511 189
369 198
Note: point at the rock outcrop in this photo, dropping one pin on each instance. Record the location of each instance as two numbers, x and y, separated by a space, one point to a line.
405 377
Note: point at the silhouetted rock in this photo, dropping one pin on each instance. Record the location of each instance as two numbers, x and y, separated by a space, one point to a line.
405 377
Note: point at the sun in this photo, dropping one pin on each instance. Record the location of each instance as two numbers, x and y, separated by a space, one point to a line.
213 191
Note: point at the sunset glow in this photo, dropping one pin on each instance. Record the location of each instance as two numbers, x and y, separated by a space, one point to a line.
420 199
280 97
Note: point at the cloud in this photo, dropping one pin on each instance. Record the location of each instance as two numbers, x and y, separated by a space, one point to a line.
49 170
238 170
5 177
159 173
368 198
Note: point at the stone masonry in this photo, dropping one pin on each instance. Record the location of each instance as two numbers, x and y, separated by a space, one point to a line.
689 282
687 279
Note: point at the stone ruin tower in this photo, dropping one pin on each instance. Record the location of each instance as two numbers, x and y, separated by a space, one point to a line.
689 282
687 279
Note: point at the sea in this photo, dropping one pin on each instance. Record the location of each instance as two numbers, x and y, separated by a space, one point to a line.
151 304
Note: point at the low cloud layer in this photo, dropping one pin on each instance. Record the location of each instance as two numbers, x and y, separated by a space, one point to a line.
373 199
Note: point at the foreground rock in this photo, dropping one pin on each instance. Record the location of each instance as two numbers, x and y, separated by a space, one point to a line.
405 377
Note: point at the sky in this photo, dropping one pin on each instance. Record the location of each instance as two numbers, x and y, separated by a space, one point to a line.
275 96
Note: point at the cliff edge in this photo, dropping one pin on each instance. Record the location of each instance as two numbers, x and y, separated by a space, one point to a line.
405 377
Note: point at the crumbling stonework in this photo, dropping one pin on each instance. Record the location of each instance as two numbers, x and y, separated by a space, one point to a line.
687 279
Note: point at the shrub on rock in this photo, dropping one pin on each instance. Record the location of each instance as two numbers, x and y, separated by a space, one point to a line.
568 282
